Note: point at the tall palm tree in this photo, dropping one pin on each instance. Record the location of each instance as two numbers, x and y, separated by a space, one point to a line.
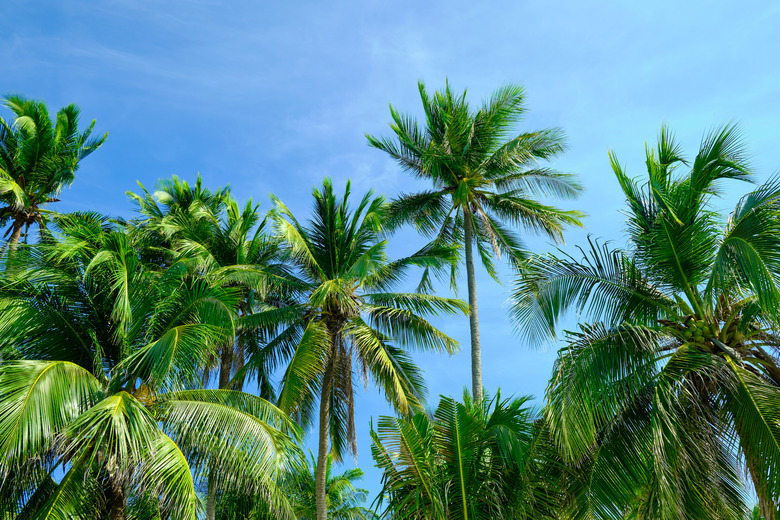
346 322
675 375
100 375
38 157
485 179
226 246
470 459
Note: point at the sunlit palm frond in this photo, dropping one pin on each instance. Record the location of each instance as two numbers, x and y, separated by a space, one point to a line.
303 370
604 283
40 399
227 432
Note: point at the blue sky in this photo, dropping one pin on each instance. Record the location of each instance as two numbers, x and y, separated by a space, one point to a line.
271 97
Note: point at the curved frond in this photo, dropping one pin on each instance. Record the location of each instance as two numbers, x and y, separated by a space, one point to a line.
409 329
40 399
755 407
749 252
302 377
167 473
605 284
242 448
390 367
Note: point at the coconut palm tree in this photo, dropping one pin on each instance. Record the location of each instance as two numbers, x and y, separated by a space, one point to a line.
38 157
346 322
175 207
343 498
674 377
470 459
226 246
100 376
298 485
485 180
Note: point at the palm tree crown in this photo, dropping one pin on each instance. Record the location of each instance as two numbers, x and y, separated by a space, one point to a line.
468 460
102 359
485 180
175 209
38 158
343 498
675 377
223 245
346 323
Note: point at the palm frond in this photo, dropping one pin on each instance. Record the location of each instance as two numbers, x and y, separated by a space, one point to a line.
40 400
390 367
605 284
227 432
303 371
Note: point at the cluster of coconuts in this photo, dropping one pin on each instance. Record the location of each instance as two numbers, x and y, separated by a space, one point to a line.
697 331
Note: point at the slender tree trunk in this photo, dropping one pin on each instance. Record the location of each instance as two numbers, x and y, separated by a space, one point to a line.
16 234
324 438
476 352
238 357
225 367
767 506
116 500
211 501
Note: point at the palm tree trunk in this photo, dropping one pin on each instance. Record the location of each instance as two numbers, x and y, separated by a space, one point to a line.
116 499
211 501
238 356
16 234
767 506
225 367
476 352
322 454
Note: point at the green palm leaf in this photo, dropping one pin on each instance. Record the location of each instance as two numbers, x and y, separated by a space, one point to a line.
40 399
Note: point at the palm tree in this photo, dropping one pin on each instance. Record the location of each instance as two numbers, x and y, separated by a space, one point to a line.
101 362
298 485
175 207
225 246
470 459
485 180
38 158
674 378
343 498
346 322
